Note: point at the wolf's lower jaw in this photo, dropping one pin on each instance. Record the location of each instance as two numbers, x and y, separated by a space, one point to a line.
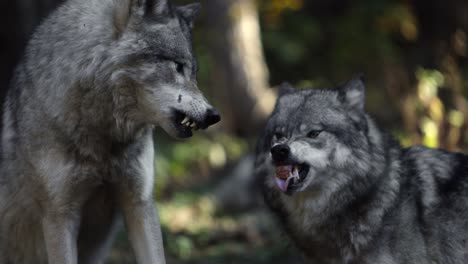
290 178
184 124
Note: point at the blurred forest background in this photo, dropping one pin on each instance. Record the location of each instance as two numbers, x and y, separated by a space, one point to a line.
412 52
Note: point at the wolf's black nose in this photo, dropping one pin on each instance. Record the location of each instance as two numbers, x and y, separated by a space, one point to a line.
212 117
280 153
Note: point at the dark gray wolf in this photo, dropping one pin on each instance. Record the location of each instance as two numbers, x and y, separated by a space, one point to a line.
346 192
77 147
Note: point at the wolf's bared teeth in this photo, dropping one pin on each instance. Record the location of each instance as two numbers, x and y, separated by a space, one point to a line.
295 174
186 119
193 125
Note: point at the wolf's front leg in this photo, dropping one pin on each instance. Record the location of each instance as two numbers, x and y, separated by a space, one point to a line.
60 234
135 194
65 190
144 231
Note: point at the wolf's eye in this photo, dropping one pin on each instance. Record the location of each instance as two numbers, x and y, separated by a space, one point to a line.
179 67
313 133
278 135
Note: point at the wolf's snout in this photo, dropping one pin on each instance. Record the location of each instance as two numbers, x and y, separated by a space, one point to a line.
280 153
211 117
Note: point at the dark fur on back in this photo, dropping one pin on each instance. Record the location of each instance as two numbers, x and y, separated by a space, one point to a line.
365 199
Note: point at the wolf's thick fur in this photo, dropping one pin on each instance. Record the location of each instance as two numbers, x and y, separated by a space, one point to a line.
356 196
77 147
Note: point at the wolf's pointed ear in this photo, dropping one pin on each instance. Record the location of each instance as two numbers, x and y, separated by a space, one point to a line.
188 12
352 93
157 7
124 10
121 15
152 7
285 88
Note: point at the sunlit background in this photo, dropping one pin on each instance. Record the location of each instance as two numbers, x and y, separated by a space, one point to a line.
412 52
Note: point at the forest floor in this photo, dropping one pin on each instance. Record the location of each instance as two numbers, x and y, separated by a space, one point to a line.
195 233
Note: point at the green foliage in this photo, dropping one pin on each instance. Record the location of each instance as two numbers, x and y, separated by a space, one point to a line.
185 163
195 231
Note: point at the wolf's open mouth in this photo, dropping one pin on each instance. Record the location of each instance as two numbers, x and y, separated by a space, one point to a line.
290 177
184 124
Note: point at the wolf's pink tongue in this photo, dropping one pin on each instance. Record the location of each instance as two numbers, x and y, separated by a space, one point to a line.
283 176
282 184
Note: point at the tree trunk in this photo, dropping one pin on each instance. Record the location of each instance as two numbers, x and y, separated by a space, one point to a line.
239 75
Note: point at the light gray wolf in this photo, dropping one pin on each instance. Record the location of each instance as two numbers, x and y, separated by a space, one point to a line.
77 147
346 192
